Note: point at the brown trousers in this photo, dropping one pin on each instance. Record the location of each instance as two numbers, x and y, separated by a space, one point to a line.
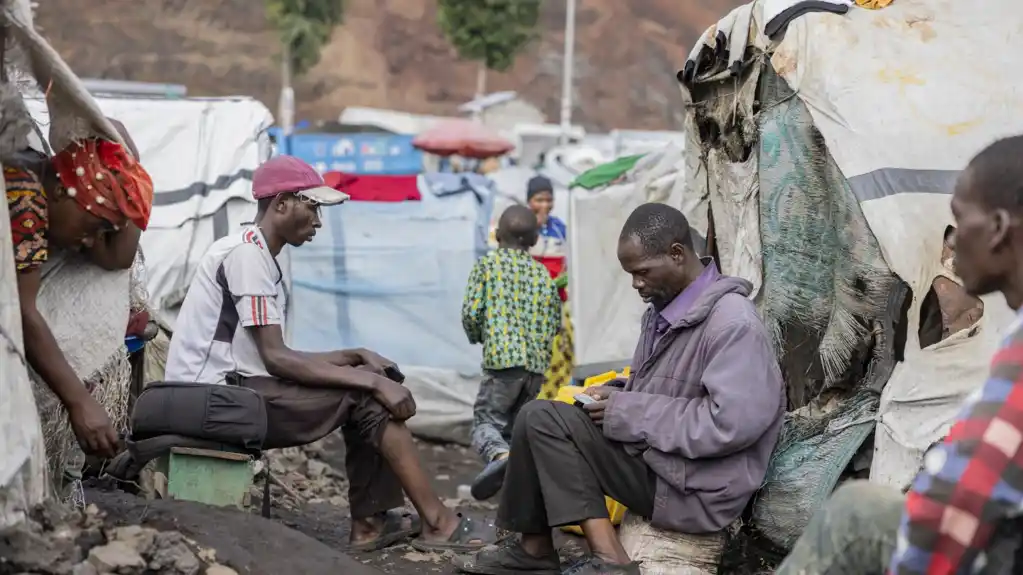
298 415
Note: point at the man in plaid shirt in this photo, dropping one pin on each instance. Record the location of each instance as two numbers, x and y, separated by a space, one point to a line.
962 512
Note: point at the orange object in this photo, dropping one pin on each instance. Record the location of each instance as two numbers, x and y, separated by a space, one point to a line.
462 138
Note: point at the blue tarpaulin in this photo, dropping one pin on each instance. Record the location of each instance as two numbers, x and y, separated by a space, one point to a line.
390 276
369 154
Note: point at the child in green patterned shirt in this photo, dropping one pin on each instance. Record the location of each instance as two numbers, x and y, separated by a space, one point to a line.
512 308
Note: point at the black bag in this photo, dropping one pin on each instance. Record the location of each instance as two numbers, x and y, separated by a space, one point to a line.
218 413
172 414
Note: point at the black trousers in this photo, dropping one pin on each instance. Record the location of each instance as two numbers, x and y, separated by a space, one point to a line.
560 468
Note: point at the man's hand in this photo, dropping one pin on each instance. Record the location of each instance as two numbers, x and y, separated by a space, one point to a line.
395 397
600 392
596 409
92 427
376 362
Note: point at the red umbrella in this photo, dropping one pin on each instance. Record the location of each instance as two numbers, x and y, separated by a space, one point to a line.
462 138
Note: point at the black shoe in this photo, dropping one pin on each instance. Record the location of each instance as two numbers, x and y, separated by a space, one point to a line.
596 566
490 480
507 559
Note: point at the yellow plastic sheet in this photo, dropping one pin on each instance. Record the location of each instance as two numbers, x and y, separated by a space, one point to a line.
873 4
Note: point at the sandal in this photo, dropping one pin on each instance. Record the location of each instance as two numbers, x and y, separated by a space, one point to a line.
393 531
470 535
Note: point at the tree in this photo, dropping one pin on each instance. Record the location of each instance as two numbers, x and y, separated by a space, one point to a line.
305 27
491 32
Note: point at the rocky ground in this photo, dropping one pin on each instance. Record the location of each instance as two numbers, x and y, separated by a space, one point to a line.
57 541
313 500
119 533
307 534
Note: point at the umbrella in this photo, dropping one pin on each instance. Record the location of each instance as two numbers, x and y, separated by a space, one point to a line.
462 138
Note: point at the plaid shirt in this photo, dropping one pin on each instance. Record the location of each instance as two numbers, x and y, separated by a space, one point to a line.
970 482
512 307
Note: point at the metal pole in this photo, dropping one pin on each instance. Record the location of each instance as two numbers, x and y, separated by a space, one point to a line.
566 80
286 109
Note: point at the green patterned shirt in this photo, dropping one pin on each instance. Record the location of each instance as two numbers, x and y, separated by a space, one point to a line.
512 307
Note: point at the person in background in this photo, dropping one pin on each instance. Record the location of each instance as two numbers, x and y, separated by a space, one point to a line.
553 232
686 443
230 330
962 512
551 250
512 308
93 197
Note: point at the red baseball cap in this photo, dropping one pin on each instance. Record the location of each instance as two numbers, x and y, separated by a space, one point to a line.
288 174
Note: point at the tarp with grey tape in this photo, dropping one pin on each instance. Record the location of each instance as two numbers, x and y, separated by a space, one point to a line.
201 153
842 138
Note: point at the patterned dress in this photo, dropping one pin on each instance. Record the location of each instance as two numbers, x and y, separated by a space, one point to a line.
26 204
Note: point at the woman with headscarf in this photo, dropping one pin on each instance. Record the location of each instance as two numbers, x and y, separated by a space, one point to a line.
92 197
551 250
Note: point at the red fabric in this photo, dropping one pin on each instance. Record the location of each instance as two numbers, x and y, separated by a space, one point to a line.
137 323
462 138
106 180
375 188
554 267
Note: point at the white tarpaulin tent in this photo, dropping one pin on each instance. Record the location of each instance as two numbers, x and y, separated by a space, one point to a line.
201 153
827 153
606 311
903 102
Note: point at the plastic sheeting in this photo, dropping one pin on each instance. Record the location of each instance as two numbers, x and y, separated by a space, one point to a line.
23 481
390 277
606 311
903 103
201 154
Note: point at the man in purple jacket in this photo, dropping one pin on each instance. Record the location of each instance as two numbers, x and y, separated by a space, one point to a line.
685 444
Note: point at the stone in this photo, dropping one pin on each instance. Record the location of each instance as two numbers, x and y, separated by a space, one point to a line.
315 469
140 538
84 569
207 555
218 569
171 553
116 556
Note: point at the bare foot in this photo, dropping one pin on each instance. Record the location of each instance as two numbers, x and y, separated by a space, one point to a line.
445 527
367 530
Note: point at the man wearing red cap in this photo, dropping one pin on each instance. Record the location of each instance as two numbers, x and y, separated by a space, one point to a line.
230 330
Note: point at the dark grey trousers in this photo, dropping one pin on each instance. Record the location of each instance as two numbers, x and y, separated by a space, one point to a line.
855 534
560 468
502 394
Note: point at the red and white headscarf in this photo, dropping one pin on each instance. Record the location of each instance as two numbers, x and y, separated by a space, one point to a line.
107 181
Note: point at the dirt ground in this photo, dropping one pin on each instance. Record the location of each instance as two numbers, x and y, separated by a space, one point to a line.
307 540
311 538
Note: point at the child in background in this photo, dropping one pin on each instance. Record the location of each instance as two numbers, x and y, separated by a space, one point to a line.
512 308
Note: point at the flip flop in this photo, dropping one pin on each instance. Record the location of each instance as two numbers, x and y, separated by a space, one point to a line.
393 532
469 536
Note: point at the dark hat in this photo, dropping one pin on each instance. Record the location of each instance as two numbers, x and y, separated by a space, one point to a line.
538 184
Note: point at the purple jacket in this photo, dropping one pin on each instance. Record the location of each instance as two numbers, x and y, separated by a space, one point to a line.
704 406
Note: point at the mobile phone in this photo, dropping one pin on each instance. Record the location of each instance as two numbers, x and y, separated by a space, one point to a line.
583 399
394 374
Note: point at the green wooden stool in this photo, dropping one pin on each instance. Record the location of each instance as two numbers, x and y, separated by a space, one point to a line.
218 478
